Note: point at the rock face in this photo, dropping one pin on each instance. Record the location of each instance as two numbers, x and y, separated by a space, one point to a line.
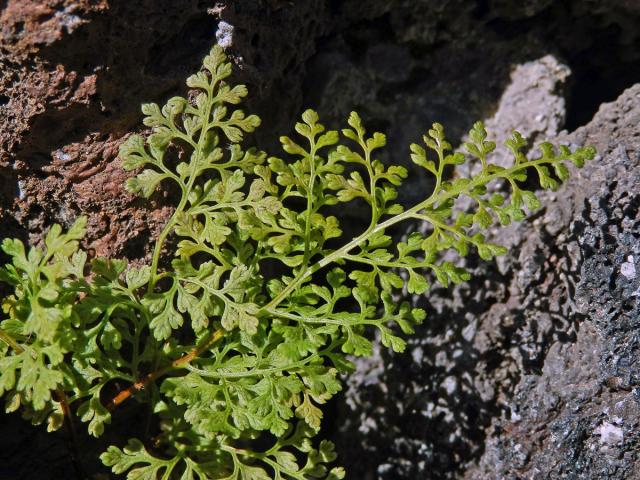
534 369
530 370
579 417
74 72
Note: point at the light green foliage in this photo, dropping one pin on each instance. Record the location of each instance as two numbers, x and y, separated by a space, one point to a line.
251 325
39 329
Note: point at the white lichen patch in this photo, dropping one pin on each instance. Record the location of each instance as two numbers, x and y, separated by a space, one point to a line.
628 268
610 434
224 34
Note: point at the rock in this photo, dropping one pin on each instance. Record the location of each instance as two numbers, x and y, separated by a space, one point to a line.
548 323
610 434
596 374
628 268
505 376
533 104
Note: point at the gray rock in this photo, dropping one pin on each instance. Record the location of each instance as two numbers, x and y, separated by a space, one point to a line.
533 104
590 430
504 369
546 386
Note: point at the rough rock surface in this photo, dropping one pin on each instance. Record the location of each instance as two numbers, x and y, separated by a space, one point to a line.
533 104
531 367
465 361
74 72
470 388
579 416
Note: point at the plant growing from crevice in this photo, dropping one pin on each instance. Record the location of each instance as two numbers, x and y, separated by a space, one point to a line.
233 362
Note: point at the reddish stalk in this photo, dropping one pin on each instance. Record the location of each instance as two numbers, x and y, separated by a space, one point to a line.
140 385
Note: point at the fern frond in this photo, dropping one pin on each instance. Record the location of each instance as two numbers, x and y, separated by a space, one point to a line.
240 341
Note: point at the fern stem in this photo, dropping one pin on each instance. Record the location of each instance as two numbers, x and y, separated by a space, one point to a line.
158 248
437 197
310 198
65 405
263 371
185 194
181 362
372 186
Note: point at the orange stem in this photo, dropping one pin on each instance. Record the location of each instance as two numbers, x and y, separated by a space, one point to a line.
125 394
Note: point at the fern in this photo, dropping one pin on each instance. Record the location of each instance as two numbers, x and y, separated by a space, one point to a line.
230 357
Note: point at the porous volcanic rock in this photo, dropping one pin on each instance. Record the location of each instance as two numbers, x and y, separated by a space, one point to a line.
73 74
531 369
579 416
